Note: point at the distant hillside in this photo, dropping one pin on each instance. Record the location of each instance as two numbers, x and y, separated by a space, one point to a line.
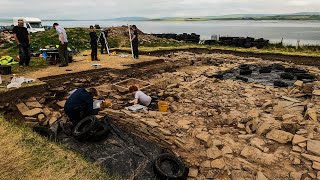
295 16
129 19
306 13
290 17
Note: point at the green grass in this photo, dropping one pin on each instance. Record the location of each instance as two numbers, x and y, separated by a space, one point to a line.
25 155
308 51
77 37
36 63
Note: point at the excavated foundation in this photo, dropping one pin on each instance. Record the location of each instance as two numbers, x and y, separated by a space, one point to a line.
223 123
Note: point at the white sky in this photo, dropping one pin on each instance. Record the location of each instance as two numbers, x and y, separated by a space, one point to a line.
104 9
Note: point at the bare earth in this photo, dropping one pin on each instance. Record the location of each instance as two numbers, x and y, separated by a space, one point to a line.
83 63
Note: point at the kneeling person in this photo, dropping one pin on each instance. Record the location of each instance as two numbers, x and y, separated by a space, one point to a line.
139 96
80 104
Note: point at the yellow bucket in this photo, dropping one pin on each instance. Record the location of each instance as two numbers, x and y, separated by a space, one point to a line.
163 106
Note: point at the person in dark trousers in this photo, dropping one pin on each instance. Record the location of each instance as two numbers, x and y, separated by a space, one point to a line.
93 44
80 104
63 44
103 39
22 37
135 42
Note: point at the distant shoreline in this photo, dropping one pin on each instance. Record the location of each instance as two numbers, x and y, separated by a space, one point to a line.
208 18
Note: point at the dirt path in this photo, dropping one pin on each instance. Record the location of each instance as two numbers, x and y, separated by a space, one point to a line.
83 63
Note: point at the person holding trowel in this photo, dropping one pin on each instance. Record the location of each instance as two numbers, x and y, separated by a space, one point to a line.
135 41
80 104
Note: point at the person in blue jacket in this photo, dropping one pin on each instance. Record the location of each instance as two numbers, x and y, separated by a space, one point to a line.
80 104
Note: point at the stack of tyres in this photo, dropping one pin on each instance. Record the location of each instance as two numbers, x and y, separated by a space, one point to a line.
247 42
190 38
210 42
90 129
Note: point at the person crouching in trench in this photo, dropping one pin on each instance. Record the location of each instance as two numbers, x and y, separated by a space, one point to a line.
80 104
139 96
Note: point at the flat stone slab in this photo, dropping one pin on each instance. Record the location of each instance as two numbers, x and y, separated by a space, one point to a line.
314 147
32 112
22 108
61 103
280 136
34 104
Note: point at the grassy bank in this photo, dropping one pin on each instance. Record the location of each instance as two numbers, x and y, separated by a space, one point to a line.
25 155
308 51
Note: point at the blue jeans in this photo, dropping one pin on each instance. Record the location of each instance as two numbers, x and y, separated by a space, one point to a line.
24 53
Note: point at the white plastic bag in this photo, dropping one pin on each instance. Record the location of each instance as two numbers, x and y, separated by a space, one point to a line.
97 104
17 82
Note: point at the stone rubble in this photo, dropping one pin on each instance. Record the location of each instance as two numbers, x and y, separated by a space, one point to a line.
224 129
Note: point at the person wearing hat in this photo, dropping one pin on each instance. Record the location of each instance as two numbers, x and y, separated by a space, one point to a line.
93 44
63 44
135 41
103 40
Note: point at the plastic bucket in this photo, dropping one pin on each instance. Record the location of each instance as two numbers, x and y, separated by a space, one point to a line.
163 106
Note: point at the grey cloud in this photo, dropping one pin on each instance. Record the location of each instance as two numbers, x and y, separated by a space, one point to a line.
98 9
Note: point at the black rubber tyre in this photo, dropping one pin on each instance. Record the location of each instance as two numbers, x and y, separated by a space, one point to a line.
169 167
244 79
218 76
279 67
302 76
245 71
265 70
295 70
244 66
289 70
287 76
280 84
43 131
101 133
85 128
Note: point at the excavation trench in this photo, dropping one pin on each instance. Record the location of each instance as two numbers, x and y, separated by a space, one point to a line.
190 83
123 153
